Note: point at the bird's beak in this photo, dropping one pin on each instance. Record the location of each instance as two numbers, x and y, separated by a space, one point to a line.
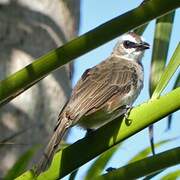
143 46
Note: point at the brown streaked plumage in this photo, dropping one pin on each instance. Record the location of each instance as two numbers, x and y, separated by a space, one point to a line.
103 92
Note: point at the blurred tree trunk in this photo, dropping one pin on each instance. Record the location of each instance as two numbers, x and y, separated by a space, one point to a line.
29 29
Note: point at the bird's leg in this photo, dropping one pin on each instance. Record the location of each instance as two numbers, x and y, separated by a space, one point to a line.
126 114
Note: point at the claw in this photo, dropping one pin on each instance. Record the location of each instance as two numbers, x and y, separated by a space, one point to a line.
128 110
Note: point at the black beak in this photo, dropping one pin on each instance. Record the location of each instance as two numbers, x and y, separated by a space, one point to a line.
143 46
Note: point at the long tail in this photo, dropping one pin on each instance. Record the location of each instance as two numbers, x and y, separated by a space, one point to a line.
52 146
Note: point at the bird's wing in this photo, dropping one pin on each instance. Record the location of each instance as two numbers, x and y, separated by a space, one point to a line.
99 84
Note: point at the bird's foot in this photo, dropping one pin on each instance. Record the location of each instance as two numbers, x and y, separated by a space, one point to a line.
126 115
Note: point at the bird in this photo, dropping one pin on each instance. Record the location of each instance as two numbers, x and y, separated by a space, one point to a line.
103 93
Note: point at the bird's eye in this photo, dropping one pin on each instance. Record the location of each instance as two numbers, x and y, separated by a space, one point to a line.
128 44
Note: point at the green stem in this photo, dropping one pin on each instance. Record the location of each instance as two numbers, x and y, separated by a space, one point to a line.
145 166
28 76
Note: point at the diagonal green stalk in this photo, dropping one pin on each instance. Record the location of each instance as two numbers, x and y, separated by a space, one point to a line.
146 166
74 156
28 76
168 73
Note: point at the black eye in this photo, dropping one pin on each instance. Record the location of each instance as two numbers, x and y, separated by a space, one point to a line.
128 44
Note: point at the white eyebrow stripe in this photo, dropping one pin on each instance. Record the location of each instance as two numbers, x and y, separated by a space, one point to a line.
128 37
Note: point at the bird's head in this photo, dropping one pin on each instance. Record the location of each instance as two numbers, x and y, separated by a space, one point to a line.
131 46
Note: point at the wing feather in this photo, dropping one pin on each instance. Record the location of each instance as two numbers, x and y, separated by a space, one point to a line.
99 85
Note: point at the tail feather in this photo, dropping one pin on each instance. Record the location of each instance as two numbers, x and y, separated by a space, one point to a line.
52 145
